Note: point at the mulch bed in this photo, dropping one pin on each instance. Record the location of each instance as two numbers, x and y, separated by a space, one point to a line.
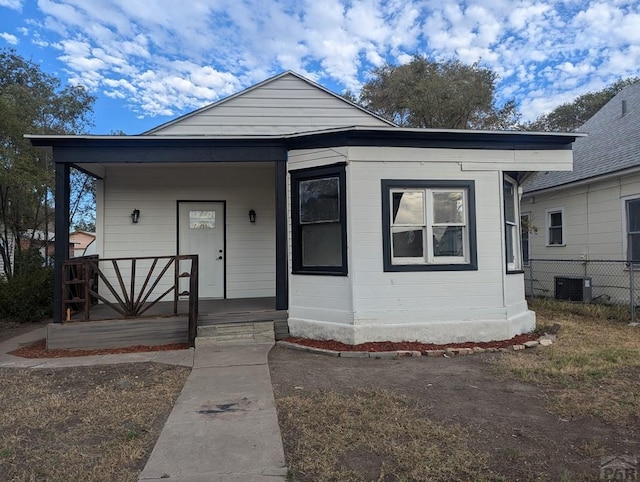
39 350
409 345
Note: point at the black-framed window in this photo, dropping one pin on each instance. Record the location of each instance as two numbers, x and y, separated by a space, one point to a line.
512 232
633 229
428 225
555 227
319 220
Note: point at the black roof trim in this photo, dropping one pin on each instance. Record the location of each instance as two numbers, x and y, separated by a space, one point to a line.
152 149
503 140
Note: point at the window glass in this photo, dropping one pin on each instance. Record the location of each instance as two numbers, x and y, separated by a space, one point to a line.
318 220
555 227
634 247
525 223
429 225
407 243
319 200
448 207
408 207
202 219
556 219
633 230
321 244
633 213
448 241
509 202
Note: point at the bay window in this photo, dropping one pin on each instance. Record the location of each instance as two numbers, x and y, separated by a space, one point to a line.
428 225
511 203
318 220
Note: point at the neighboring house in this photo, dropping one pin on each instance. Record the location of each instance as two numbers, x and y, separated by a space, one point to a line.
592 212
9 250
362 230
30 240
80 241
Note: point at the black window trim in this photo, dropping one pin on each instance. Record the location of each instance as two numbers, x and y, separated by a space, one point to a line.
339 170
627 231
388 184
517 248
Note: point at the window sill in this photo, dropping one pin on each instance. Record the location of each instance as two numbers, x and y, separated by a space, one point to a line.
320 273
430 267
555 245
515 271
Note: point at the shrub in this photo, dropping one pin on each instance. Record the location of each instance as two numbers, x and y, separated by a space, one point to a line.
27 296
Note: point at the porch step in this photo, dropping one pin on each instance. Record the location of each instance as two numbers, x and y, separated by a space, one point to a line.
235 333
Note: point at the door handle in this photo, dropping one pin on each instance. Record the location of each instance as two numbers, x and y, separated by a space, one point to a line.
219 257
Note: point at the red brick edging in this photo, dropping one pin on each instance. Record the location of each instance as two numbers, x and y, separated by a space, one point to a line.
544 340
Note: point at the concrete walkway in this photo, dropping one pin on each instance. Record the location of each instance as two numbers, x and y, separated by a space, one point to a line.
223 426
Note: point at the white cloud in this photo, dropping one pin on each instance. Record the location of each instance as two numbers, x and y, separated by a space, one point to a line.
161 58
9 38
12 4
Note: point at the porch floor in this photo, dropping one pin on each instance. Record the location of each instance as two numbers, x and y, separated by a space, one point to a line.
210 311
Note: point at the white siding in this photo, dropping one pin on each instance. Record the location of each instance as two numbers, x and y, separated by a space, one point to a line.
155 190
473 159
436 306
441 306
285 105
593 216
313 298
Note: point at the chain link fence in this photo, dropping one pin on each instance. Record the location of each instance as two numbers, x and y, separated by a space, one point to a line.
609 282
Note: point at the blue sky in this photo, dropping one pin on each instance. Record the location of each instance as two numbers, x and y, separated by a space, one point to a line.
148 61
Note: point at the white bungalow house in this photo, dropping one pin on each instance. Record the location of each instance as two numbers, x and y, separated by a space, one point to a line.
593 212
361 230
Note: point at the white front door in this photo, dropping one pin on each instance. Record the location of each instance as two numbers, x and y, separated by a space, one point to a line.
201 226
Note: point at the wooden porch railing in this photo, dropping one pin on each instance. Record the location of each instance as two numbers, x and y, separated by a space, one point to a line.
81 277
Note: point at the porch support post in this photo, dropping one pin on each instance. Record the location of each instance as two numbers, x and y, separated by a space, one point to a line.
282 271
62 236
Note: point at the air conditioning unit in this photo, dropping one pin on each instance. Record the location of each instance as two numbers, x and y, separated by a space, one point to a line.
573 288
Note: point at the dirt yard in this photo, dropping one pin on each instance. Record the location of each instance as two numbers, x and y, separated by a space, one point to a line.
466 417
87 423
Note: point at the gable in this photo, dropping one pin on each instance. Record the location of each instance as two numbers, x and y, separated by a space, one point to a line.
613 143
285 104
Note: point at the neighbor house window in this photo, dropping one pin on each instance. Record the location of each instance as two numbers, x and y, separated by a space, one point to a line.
555 234
632 225
318 220
428 225
511 203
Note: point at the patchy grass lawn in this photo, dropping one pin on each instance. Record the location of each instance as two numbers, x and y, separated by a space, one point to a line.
85 423
373 435
549 413
594 366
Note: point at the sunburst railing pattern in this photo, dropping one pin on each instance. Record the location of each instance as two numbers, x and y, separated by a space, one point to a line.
119 276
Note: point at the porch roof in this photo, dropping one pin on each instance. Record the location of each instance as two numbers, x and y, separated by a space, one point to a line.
158 149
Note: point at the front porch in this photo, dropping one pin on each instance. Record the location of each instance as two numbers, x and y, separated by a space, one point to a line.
160 325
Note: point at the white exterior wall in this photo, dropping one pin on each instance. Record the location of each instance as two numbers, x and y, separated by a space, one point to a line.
285 105
311 297
593 229
429 306
593 219
155 190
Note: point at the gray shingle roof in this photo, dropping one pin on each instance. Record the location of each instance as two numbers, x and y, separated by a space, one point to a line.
613 143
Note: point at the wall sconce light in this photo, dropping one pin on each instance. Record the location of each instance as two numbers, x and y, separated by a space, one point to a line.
135 216
252 216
